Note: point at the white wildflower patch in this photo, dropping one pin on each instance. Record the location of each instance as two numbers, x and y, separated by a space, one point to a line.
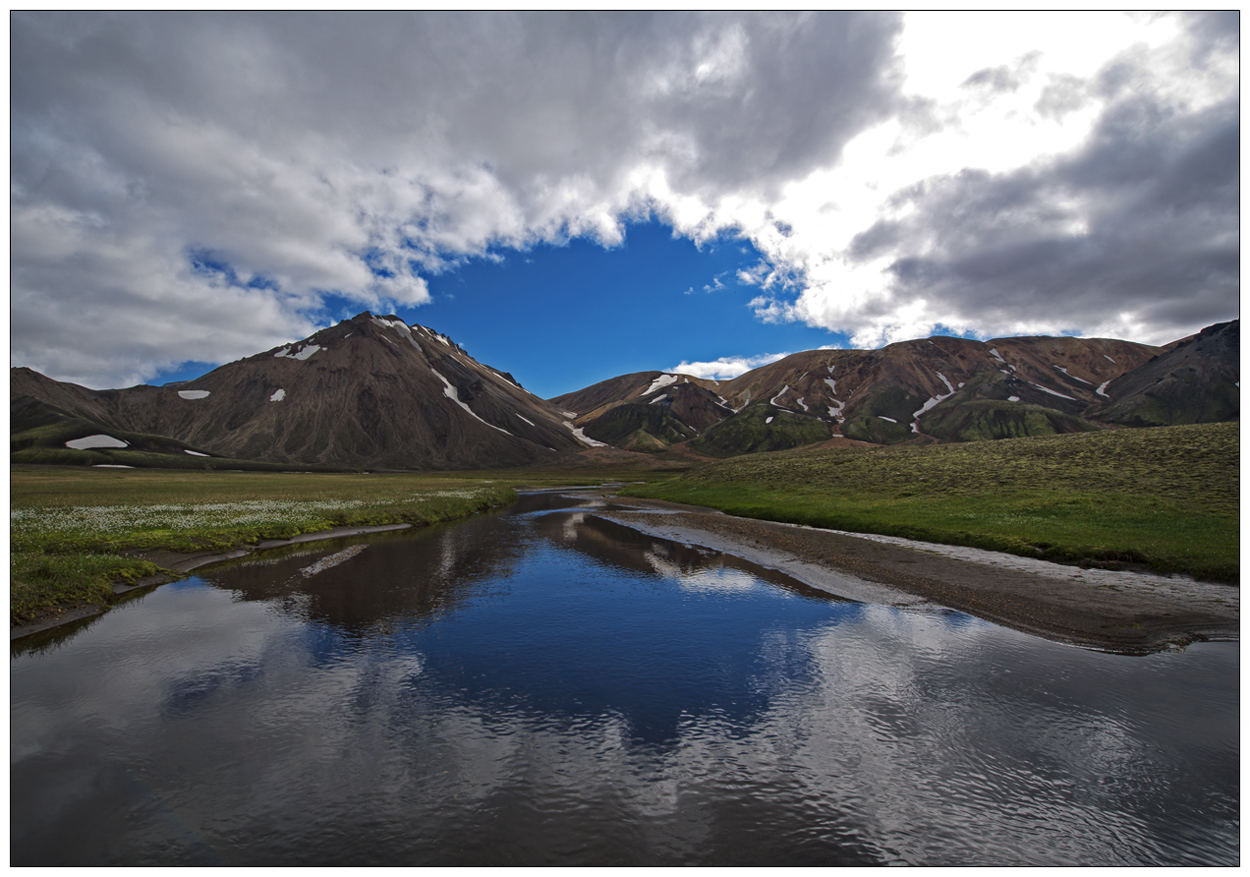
192 517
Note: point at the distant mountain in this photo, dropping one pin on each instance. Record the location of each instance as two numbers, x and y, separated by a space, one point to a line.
1196 380
374 392
934 389
367 392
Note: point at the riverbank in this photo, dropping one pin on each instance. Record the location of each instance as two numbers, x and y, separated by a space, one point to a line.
80 539
1124 611
1165 498
175 564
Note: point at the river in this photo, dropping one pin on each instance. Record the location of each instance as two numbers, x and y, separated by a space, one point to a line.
540 686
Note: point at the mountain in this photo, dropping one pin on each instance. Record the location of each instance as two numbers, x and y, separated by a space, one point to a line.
1196 380
367 392
374 392
934 389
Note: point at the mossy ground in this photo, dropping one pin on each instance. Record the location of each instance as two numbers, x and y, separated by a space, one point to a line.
1164 498
760 427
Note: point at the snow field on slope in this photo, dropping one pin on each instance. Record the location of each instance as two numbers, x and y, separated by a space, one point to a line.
933 400
659 383
581 436
96 441
1073 377
302 354
1052 392
450 392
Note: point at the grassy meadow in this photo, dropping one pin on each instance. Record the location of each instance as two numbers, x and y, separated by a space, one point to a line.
72 529
1165 498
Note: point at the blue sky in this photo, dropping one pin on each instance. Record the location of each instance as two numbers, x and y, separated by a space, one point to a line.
199 187
562 317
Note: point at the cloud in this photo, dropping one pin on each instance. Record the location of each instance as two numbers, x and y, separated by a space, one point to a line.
171 172
358 154
726 367
1130 231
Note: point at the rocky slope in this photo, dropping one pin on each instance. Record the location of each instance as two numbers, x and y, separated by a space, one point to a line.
374 392
934 389
369 392
1195 381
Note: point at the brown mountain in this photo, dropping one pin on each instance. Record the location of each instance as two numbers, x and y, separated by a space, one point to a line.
375 392
370 391
934 389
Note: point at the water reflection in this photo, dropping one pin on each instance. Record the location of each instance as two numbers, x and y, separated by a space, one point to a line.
543 687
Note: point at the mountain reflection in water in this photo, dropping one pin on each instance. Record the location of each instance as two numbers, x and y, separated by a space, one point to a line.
542 686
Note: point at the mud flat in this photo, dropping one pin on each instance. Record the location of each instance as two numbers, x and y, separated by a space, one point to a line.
1115 610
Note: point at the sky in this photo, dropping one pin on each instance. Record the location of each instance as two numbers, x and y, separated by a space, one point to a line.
573 196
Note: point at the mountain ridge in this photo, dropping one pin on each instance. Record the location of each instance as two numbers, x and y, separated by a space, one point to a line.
375 392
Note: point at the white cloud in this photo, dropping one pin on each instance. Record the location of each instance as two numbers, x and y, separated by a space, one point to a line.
726 367
358 154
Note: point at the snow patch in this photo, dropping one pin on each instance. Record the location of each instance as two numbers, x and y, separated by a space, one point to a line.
833 386
773 400
450 392
933 400
994 353
1073 377
278 396
526 419
96 441
1052 392
110 466
659 398
768 420
1013 398
1101 391
585 439
801 405
659 383
302 354
891 419
1108 359
193 394
194 453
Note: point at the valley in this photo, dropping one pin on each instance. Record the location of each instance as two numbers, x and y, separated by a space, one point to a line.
1085 451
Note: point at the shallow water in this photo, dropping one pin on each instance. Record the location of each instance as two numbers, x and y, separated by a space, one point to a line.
543 687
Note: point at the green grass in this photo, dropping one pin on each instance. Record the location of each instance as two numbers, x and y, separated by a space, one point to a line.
1164 498
71 528
760 428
